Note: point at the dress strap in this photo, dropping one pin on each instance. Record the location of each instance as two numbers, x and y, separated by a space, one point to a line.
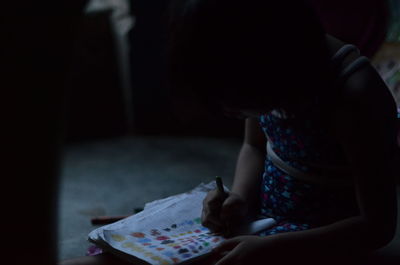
324 178
342 53
352 67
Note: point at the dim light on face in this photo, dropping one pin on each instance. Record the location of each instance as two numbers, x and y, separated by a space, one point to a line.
242 113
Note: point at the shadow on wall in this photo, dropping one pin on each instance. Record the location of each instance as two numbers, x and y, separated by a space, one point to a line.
94 95
97 99
99 104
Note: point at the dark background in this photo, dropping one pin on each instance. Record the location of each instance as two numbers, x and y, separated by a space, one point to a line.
60 85
95 98
35 48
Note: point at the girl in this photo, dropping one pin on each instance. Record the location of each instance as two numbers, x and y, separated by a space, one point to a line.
320 131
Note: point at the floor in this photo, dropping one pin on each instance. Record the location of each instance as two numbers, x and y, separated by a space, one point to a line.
115 176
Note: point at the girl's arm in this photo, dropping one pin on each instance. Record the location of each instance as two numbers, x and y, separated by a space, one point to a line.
366 128
250 163
225 213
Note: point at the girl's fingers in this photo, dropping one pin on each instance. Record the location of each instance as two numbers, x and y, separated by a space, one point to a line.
228 259
233 206
230 251
214 201
227 245
210 221
227 209
214 227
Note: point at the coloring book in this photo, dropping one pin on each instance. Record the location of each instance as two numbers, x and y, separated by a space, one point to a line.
167 231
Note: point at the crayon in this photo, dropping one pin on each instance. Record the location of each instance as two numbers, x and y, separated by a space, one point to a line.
221 190
220 186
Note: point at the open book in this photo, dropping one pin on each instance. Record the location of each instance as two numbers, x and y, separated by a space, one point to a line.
167 231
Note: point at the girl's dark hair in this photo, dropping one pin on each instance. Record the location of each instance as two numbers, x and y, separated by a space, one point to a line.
247 52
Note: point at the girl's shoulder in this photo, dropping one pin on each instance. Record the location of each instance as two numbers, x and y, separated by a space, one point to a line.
365 108
363 86
335 46
366 105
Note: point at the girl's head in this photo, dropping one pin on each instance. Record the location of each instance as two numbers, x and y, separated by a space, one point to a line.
253 54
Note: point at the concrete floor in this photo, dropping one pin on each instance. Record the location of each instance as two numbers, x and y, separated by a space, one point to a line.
115 176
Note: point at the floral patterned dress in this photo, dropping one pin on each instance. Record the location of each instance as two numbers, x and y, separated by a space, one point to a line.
297 204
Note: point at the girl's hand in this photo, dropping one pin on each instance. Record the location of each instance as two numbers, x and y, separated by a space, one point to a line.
244 250
222 213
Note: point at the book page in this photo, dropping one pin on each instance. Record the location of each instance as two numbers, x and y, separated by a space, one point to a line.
168 236
167 231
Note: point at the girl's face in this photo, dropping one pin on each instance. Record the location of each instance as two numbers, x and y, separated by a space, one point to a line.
241 103
242 113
